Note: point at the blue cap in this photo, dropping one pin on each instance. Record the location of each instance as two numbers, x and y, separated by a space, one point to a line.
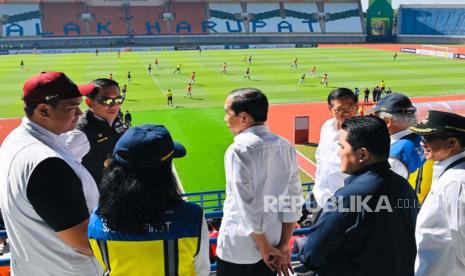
394 103
146 146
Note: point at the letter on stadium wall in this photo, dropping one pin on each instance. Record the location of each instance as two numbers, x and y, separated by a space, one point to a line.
149 27
183 25
15 29
40 33
310 28
101 27
71 27
239 27
257 24
284 25
208 25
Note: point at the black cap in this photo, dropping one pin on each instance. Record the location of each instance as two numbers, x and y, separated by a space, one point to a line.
394 103
438 121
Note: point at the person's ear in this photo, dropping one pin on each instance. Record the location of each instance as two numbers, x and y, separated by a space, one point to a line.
43 110
364 155
451 142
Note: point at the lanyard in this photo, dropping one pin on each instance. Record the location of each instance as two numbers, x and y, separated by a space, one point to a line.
453 165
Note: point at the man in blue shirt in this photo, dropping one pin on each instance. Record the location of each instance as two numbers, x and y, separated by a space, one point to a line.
368 227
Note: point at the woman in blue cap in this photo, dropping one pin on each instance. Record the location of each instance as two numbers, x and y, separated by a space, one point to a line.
142 226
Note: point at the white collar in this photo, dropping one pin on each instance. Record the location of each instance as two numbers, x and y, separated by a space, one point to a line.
253 129
45 135
397 136
440 166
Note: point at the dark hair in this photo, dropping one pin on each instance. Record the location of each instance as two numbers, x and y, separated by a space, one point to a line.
30 107
132 199
368 132
101 83
251 101
341 93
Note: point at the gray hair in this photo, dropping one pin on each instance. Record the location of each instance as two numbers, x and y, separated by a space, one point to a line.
401 119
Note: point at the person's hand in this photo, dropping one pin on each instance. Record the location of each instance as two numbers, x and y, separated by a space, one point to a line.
270 256
284 262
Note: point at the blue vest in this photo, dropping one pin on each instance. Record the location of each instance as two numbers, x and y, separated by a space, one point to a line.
165 249
409 151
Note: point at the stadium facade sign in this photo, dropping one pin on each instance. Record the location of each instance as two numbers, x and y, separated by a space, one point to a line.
460 56
154 28
4 52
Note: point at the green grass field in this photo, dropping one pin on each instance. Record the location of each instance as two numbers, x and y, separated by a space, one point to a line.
198 122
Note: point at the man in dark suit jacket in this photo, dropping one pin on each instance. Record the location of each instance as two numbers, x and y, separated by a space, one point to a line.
368 227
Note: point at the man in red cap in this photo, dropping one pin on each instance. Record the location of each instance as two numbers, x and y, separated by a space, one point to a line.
46 196
99 128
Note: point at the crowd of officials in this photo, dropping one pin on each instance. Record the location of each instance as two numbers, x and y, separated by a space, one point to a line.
86 194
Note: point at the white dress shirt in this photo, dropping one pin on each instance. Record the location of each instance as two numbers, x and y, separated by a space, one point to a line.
440 229
259 166
396 165
328 175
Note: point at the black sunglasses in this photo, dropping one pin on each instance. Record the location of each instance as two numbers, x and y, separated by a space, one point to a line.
107 101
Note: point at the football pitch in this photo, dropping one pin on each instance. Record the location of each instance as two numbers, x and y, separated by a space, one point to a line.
197 122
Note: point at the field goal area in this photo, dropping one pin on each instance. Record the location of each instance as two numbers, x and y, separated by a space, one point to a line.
438 51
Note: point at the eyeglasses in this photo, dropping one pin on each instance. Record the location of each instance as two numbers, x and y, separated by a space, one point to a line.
347 109
107 101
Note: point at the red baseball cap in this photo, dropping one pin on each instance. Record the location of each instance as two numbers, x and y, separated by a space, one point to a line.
45 86
86 89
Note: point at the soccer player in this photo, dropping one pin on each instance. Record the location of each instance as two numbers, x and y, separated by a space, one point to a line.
119 53
149 69
21 64
156 63
294 63
169 97
247 73
250 59
245 58
111 76
313 72
382 85
225 67
192 80
189 90
302 79
96 52
324 80
178 69
125 89
129 77
395 56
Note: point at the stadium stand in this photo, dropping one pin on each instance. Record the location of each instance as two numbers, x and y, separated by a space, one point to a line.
193 13
20 19
343 18
223 17
432 20
267 17
148 20
302 16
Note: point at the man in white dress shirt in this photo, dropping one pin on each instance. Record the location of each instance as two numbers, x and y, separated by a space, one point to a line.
440 228
342 103
262 183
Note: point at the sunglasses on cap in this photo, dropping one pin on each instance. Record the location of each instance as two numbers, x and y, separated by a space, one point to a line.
108 101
